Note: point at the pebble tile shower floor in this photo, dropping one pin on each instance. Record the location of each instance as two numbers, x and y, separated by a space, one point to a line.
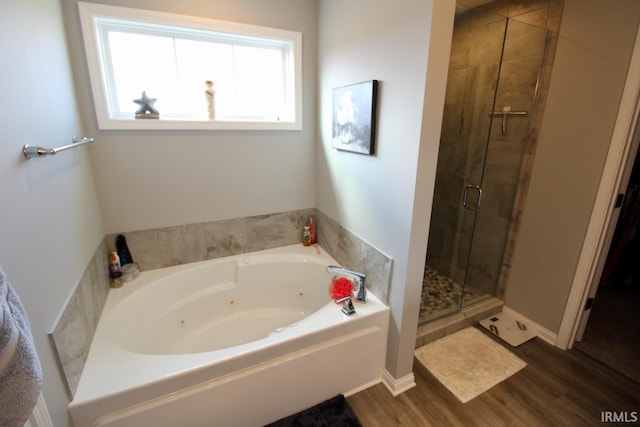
441 295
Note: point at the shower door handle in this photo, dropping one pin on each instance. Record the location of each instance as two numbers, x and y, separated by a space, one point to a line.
464 197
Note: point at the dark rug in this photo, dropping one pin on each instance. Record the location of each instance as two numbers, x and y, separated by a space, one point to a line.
334 412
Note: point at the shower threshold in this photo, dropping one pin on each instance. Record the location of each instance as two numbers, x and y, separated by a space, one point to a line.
446 325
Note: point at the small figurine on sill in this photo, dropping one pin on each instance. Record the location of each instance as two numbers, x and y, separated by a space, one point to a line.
146 110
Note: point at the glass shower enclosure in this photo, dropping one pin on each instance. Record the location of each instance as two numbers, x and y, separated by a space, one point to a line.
494 70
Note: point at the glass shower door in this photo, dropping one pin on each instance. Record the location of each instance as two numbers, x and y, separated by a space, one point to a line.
494 69
521 65
474 70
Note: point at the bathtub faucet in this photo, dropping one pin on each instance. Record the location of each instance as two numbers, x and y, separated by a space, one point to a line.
348 307
362 291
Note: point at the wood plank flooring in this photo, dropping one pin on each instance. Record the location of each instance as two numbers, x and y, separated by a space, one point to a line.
556 388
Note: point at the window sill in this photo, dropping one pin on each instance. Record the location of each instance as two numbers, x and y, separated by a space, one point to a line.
170 124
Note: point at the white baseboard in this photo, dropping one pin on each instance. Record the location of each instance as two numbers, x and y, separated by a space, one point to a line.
541 332
40 415
362 387
398 386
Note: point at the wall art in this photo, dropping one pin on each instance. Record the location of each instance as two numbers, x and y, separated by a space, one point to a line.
354 117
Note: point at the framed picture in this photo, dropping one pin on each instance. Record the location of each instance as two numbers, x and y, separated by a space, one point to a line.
354 117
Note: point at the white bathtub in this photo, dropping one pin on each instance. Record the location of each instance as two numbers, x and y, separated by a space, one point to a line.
237 341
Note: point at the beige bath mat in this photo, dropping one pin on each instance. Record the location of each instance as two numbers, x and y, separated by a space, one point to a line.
468 363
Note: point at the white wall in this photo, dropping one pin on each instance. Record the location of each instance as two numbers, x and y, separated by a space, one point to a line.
148 179
50 224
376 197
594 48
152 179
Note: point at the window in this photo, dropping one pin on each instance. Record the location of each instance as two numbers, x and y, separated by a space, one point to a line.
255 71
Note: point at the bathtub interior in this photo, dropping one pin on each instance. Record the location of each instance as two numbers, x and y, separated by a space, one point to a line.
146 348
218 305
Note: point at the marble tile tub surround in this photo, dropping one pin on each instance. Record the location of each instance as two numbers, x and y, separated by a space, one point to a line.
73 331
157 248
356 254
183 244
165 247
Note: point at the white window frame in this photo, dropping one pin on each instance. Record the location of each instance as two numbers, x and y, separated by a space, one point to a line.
92 16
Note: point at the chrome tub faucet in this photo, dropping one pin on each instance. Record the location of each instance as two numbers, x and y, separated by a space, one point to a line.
360 278
348 307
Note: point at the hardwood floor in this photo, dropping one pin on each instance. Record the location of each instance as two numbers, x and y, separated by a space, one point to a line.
556 388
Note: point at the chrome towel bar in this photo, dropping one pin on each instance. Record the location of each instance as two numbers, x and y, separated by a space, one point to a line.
31 151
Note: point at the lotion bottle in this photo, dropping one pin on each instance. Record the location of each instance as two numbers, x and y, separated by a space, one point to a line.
115 272
312 231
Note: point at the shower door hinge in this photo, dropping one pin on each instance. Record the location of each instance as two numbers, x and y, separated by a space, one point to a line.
619 200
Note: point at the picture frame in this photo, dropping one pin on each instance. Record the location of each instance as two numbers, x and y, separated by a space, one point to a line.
354 117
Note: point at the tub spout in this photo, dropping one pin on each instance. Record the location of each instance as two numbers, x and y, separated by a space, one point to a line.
360 277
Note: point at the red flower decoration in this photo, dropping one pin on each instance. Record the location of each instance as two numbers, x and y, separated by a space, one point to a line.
340 287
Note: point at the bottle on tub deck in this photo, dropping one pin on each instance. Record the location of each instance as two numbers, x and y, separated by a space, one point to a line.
312 231
115 271
306 236
123 250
